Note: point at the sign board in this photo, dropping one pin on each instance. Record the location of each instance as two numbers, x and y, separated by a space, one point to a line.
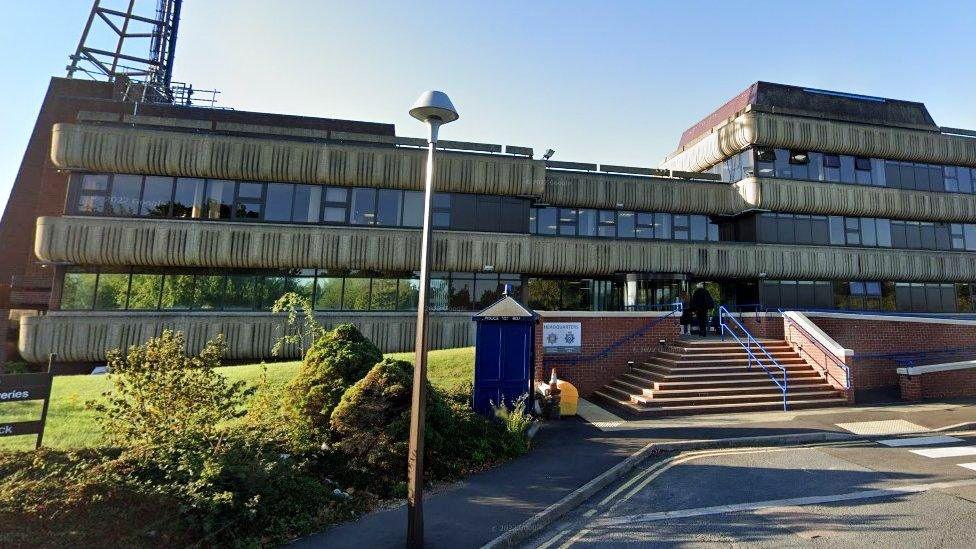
23 387
561 337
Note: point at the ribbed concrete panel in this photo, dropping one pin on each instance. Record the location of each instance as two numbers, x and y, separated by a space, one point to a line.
87 336
774 130
596 190
116 241
176 153
811 197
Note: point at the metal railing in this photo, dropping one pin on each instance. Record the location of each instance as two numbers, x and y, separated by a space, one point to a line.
828 354
617 343
920 358
749 344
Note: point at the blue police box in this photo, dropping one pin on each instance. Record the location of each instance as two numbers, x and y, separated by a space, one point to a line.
503 355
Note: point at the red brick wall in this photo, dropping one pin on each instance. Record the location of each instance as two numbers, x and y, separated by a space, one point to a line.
954 383
763 326
873 336
819 357
591 373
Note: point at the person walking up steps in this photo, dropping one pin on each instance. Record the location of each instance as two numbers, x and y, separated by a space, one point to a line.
701 302
687 316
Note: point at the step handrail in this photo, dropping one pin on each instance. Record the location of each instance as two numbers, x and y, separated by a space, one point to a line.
723 314
826 352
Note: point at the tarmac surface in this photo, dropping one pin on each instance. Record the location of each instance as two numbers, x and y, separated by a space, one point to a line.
569 453
886 491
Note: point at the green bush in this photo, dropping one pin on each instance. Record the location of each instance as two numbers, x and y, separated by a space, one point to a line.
371 425
160 395
335 361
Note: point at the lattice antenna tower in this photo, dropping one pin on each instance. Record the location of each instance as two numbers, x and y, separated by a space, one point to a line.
122 44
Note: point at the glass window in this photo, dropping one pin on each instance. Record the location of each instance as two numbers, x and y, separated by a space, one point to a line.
242 293
156 197
273 287
914 235
862 163
94 182
680 227
969 230
125 194
699 227
336 194
462 291
965 177
91 204
831 161
847 169
441 216
486 290
869 232
899 234
804 230
408 294
607 224
439 291
662 226
207 291
220 199
927 234
188 198
145 291
625 224
567 222
308 201
884 232
547 220
384 294
328 293
785 229
586 222
355 294
837 232
363 207
853 231
112 291
862 170
279 201
645 225
249 201
177 292
388 205
78 290
413 209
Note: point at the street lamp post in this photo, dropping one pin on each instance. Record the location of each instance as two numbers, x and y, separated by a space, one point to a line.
434 109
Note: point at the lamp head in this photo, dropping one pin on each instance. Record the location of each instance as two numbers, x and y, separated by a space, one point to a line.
434 105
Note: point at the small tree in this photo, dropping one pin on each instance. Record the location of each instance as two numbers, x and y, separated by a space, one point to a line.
159 394
300 326
332 364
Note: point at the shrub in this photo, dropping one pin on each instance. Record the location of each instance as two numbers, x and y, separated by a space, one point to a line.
296 331
160 395
371 425
335 361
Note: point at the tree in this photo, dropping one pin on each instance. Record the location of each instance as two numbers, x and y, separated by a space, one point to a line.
300 327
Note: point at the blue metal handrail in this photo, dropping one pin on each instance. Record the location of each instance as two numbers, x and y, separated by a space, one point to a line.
606 350
912 358
826 352
724 313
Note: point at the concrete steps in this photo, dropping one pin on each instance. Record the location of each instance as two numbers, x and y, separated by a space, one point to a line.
709 376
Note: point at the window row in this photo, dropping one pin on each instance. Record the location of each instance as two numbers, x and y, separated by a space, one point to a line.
780 228
868 296
621 224
858 170
190 198
327 291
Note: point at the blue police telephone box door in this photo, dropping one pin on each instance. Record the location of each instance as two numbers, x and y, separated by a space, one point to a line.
503 361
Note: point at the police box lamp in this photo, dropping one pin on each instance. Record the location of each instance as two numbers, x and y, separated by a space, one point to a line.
434 108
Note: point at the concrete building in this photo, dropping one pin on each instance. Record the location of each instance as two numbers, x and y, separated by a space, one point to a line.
127 218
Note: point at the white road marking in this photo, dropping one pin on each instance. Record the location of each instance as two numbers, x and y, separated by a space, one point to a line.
919 441
948 451
884 427
552 541
968 465
790 502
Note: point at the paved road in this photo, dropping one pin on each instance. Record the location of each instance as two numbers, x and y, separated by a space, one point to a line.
890 491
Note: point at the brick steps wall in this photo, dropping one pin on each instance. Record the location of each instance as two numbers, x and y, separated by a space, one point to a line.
697 377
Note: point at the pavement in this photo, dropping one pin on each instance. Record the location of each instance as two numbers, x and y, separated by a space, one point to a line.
570 453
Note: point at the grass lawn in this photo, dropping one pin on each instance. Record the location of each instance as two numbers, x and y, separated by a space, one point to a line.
71 425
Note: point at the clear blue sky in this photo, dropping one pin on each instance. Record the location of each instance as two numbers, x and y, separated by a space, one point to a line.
604 81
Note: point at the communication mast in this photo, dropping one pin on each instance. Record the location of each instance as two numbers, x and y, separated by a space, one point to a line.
124 42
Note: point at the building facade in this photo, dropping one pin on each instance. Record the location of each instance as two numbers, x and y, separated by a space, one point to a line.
127 218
